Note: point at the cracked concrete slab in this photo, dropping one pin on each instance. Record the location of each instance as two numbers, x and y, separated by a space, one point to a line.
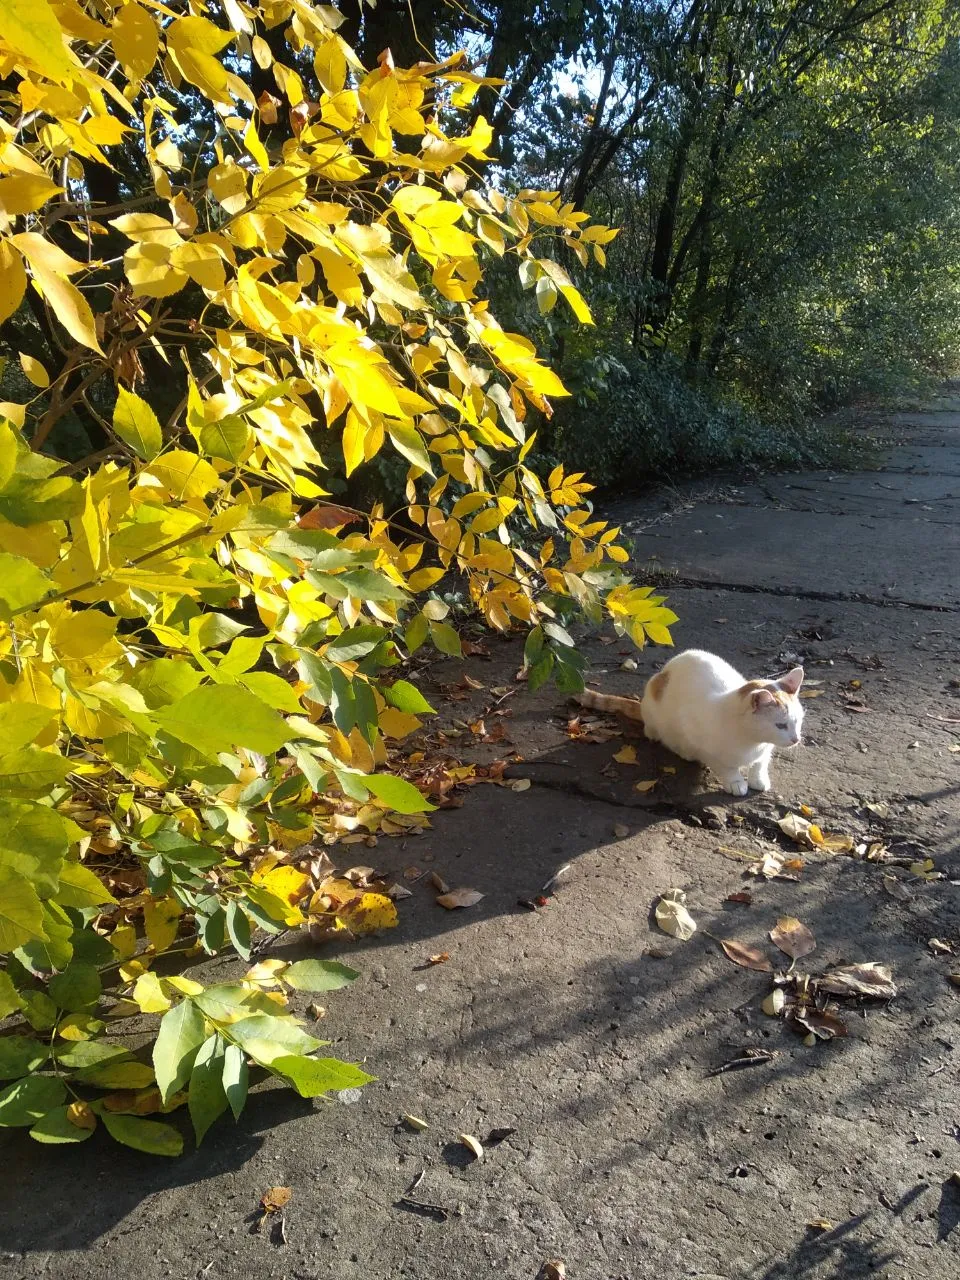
584 1029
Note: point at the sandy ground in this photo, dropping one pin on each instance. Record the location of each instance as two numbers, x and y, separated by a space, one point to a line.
583 1027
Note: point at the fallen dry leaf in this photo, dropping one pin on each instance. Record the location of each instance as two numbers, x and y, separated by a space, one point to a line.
472 1144
553 1269
879 810
806 811
746 956
793 938
81 1115
414 1122
774 1004
673 916
459 898
440 958
821 1224
869 979
775 865
821 1023
626 755
896 889
954 747
954 978
398 891
439 883
799 829
620 830
940 948
837 844
272 1201
645 786
518 784
811 693
744 897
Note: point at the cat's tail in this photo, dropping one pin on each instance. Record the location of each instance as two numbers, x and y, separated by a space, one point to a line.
628 707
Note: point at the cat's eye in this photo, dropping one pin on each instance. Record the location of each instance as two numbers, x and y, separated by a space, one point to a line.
781 724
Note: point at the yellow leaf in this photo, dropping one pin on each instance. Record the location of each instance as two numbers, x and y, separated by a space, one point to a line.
251 140
161 919
373 911
81 1115
35 371
149 994
124 941
342 280
185 475
645 786
30 27
13 280
25 192
626 755
136 40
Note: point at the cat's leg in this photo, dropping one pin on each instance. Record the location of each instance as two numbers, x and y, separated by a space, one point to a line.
731 779
758 775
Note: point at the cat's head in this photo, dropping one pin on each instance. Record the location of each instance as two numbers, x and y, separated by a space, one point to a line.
776 711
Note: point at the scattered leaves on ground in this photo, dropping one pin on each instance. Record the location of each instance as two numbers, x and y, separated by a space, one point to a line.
673 917
869 979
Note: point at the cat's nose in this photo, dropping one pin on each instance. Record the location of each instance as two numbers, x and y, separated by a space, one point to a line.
795 738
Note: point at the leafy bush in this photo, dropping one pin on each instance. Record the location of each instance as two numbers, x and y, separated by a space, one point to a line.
199 653
631 420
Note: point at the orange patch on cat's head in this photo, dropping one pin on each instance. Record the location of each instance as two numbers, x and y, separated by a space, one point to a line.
658 684
754 687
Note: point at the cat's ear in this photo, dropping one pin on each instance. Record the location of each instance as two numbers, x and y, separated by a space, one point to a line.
761 698
791 682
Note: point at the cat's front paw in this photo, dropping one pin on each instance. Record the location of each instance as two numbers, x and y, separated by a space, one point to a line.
735 786
758 780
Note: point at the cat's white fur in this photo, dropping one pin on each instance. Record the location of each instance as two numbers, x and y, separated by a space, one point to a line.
706 711
703 709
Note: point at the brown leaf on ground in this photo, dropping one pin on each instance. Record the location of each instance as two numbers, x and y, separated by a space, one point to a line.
867 979
819 1022
440 958
459 898
621 830
439 883
744 897
793 938
273 1201
746 956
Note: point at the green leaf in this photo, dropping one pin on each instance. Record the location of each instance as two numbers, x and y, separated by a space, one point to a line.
55 1126
90 1053
235 1078
446 639
55 950
79 887
137 426
21 913
19 1055
39 1010
207 1099
229 1002
264 1037
152 1136
400 795
22 584
21 722
318 975
31 772
409 442
181 1034
533 647
230 439
415 633
355 642
216 718
406 697
238 929
23 1103
10 998
118 1075
540 671
313 1076
77 989
34 842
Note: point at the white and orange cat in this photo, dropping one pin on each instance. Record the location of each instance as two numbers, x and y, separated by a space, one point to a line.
702 709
